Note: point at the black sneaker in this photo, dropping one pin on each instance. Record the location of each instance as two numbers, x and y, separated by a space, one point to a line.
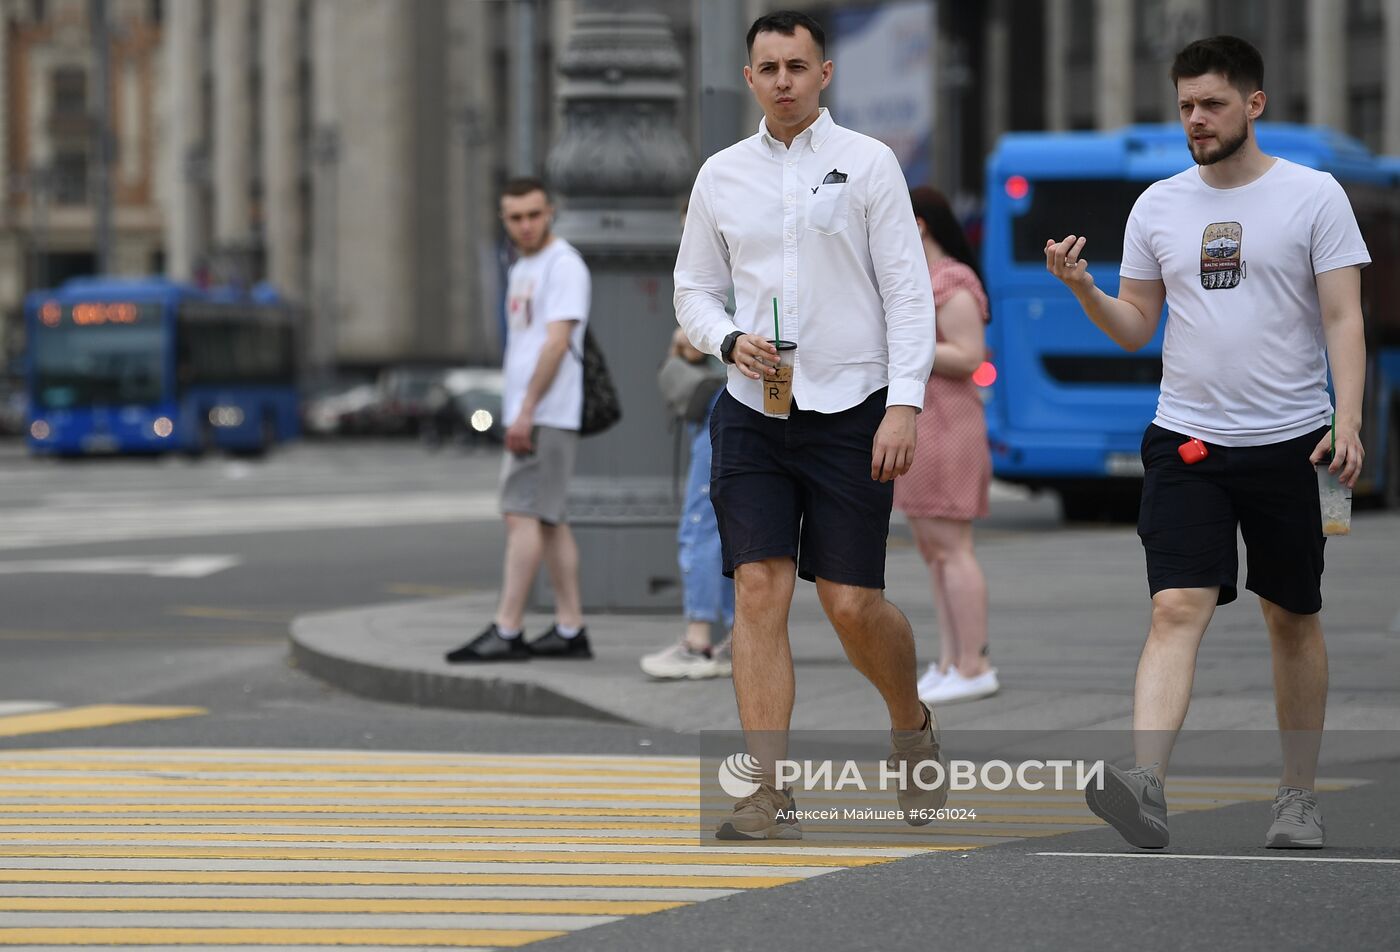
490 646
551 644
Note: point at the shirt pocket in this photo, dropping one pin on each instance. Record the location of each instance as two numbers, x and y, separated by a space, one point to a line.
827 210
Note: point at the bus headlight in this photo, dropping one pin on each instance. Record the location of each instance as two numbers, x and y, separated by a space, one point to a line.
226 416
162 427
482 420
40 430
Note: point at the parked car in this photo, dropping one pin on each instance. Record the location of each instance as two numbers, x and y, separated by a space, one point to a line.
14 408
345 408
465 408
403 398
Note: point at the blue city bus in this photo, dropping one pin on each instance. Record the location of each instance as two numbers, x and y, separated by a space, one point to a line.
1068 406
151 366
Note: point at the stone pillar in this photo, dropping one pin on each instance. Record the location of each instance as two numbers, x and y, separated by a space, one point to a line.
1182 22
618 168
1327 64
282 225
721 25
474 155
1390 123
1113 63
324 350
182 157
996 72
232 136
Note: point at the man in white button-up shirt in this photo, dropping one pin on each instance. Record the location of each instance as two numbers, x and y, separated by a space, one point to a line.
818 219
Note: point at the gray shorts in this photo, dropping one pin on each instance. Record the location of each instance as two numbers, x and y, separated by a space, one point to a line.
538 485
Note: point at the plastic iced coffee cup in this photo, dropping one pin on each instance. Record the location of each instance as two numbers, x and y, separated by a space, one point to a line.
1336 502
777 383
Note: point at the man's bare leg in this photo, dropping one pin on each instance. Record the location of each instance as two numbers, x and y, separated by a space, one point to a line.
764 685
880 644
1300 689
524 551
1166 670
561 558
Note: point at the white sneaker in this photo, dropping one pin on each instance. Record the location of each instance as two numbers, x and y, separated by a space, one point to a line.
681 661
723 656
955 687
933 677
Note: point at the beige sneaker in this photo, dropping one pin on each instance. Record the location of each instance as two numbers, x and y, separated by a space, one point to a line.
765 814
912 748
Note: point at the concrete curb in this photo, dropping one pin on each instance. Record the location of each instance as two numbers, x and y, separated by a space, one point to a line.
405 685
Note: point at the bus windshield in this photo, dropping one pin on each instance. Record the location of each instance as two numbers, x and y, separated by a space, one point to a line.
102 364
1096 208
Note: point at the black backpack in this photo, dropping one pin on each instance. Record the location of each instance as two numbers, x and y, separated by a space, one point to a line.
601 408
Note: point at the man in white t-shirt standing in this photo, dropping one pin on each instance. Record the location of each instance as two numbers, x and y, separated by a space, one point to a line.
1259 262
546 310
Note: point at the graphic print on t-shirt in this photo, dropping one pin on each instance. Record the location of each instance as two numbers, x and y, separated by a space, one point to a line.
1221 248
521 312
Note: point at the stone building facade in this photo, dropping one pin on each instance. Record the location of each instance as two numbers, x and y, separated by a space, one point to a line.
349 151
49 145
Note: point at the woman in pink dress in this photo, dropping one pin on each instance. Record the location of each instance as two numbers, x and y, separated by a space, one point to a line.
947 486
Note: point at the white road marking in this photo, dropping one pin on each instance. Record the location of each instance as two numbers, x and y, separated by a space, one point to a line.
182 566
1212 856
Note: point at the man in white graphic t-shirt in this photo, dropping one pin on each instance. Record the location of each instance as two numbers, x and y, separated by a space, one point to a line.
546 311
1259 263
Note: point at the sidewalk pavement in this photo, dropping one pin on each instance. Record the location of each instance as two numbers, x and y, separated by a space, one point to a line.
1069 612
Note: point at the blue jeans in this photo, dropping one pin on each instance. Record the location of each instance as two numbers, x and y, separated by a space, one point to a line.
709 596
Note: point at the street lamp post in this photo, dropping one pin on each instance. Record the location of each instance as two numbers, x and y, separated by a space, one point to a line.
618 168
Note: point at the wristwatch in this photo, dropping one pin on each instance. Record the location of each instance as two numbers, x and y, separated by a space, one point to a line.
726 349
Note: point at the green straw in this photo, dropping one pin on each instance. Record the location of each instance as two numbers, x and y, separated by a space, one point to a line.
777 336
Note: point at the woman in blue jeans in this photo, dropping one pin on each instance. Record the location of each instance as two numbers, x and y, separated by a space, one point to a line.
709 596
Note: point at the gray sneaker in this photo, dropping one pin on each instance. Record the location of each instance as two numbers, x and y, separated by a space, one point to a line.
765 814
913 749
1297 821
1133 803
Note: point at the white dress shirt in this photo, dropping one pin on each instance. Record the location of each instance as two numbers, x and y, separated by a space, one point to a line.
843 258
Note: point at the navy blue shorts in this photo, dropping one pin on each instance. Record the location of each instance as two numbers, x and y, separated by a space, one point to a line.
1190 514
801 488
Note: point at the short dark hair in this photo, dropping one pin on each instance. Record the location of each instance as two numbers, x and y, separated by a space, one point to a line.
931 206
1235 59
786 22
524 185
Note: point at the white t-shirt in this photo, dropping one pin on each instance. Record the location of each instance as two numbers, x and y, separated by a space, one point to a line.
1244 362
550 285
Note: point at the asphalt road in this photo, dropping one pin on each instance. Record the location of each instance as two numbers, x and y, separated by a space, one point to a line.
334 526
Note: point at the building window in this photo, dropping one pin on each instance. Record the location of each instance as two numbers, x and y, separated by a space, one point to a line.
1365 15
70 178
70 92
1365 116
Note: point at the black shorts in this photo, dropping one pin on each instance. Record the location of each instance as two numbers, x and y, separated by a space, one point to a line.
1190 513
801 488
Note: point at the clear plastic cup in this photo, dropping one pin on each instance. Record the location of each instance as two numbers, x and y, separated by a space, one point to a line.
1336 502
777 384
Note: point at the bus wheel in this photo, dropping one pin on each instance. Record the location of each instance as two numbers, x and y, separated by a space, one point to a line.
267 438
204 443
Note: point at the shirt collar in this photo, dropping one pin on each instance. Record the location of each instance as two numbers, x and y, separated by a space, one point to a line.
814 135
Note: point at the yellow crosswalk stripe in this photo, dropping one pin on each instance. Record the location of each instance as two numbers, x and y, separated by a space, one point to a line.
468 938
551 907
551 844
297 878
94 715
